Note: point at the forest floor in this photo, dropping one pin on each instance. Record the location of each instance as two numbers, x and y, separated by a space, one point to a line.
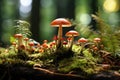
38 73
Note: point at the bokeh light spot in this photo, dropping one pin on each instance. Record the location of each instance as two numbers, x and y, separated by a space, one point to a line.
25 2
85 18
111 5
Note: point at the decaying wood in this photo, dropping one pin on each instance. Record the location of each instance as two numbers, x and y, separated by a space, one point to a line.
59 76
45 71
38 73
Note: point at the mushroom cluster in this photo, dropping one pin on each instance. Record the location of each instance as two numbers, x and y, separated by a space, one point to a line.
71 34
29 45
60 22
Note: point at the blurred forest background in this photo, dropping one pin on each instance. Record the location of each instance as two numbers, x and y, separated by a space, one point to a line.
39 13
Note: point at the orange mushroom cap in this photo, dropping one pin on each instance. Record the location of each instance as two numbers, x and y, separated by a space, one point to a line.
31 43
53 43
13 43
82 40
61 21
26 39
72 33
97 39
64 42
45 41
45 45
18 35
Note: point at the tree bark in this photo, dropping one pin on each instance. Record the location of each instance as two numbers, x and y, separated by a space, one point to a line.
35 19
94 10
1 20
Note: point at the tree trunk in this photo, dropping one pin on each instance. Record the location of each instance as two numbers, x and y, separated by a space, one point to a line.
35 19
94 10
1 20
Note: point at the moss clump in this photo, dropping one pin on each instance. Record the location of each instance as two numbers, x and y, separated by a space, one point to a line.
83 65
61 54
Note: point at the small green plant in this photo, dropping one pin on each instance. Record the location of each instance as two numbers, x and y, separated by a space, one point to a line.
22 27
110 35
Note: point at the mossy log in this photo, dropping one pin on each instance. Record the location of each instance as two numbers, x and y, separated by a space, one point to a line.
28 73
37 73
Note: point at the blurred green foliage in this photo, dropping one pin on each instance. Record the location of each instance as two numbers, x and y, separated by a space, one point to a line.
48 10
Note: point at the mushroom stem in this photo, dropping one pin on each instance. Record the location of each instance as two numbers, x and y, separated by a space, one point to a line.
82 47
59 45
71 42
20 43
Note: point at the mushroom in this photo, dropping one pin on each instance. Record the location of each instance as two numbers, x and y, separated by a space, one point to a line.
97 41
19 37
53 43
31 44
26 42
60 22
69 39
72 34
65 43
45 45
82 42
55 38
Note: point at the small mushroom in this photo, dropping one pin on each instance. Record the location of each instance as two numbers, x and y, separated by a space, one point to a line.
53 45
55 38
72 34
82 42
97 40
60 22
26 42
31 44
45 45
19 37
65 43
69 39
